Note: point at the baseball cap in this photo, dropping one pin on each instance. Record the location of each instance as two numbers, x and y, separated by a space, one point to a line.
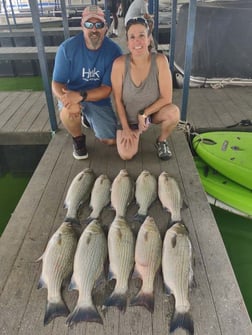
93 11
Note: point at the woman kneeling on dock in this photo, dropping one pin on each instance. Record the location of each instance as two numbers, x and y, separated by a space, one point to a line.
142 88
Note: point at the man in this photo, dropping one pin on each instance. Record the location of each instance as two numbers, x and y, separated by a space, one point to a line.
138 8
81 81
113 6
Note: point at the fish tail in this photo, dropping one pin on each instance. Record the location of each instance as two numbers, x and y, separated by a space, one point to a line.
90 219
55 309
83 313
182 320
72 220
139 217
116 299
143 299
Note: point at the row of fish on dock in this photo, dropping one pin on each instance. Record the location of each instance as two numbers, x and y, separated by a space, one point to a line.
84 257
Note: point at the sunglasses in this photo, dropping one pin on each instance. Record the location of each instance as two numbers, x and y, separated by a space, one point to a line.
91 25
136 20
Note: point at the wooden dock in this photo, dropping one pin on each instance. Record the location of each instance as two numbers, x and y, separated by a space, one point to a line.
217 306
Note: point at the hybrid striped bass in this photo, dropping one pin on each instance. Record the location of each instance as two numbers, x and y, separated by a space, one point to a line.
100 196
121 261
89 262
78 193
145 193
57 265
178 274
170 196
148 254
122 193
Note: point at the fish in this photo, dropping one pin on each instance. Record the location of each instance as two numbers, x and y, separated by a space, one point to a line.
178 274
148 253
145 193
89 262
78 193
122 192
121 261
100 196
57 265
170 196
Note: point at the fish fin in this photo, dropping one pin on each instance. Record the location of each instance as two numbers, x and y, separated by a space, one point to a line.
89 219
168 291
72 286
54 310
136 274
111 275
41 284
142 299
139 217
72 220
182 320
116 299
84 313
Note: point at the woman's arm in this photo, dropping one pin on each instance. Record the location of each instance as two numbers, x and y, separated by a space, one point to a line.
117 77
165 86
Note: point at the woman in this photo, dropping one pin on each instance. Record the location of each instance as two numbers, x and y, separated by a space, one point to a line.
142 88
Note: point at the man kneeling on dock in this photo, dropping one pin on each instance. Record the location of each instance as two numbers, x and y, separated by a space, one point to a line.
81 81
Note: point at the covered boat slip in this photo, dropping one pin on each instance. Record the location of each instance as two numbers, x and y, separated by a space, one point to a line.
221 52
217 306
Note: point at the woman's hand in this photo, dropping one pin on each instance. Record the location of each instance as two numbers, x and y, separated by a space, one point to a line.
128 137
142 123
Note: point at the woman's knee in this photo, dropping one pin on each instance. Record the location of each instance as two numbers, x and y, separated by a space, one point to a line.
125 156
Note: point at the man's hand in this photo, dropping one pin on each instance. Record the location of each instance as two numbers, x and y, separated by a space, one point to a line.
69 98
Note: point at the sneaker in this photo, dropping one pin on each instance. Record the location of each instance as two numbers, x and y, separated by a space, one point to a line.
112 35
84 121
163 149
79 147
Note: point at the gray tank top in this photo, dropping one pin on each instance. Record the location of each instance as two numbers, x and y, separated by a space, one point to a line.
136 98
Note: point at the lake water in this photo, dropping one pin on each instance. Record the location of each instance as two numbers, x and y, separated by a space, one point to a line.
236 232
17 164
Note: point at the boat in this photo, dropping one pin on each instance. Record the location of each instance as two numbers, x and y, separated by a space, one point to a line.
223 192
228 152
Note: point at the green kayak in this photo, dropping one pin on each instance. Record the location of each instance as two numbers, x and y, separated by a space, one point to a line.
224 192
228 152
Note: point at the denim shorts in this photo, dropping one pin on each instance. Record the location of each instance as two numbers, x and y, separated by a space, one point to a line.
102 119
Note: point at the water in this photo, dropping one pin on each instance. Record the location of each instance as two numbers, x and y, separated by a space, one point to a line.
236 232
17 164
11 190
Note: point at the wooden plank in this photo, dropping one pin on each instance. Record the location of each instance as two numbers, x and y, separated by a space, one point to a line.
24 53
29 32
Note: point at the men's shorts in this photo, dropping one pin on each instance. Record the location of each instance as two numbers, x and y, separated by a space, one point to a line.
102 119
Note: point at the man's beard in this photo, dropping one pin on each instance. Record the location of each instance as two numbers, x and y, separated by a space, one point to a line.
95 40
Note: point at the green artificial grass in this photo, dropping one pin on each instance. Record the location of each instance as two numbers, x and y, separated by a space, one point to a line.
21 83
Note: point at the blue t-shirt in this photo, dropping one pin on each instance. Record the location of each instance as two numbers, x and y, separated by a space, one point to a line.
81 68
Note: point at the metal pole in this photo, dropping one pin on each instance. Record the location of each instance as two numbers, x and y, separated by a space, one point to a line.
64 19
156 18
188 55
43 63
173 35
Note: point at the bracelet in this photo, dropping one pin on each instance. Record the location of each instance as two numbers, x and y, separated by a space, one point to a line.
141 112
84 95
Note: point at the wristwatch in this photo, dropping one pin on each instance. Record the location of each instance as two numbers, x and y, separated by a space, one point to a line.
141 112
84 95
